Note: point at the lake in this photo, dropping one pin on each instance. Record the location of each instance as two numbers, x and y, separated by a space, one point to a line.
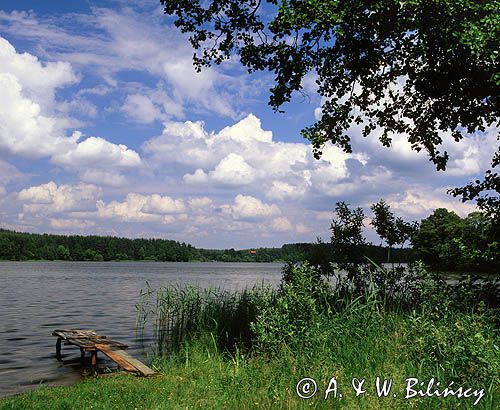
39 297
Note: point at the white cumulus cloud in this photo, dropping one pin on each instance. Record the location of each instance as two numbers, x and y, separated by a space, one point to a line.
245 155
420 202
53 198
281 224
141 208
248 207
29 126
70 224
96 151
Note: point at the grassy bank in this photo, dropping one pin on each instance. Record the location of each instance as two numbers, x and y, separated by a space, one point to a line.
242 351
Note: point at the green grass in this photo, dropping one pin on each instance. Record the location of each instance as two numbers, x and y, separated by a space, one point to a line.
200 376
303 330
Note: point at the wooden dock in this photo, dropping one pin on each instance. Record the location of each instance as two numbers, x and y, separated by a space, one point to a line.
90 341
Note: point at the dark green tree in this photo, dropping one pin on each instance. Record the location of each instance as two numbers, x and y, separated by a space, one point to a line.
392 230
434 242
479 242
347 239
417 67
63 253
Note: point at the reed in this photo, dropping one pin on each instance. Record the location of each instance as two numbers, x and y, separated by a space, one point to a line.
178 313
305 328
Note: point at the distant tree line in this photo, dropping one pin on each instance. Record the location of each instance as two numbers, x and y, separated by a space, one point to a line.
31 246
443 241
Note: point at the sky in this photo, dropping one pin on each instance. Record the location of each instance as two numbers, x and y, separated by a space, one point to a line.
106 128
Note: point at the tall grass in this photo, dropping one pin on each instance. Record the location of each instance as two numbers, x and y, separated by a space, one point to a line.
407 324
247 350
179 313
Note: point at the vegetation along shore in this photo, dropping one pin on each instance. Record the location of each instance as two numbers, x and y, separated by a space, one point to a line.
399 337
216 349
443 240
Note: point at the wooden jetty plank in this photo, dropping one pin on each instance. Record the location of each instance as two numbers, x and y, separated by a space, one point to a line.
125 361
89 340
116 357
85 338
118 345
141 367
65 333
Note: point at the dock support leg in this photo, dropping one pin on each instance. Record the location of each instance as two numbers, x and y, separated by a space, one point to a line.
82 352
93 361
58 348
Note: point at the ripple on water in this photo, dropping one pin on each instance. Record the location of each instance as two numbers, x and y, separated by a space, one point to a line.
75 294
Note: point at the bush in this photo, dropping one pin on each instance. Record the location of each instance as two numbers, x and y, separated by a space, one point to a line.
295 317
454 346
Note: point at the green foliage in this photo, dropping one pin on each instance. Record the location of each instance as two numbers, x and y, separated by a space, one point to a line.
63 253
347 237
454 345
420 68
293 317
392 230
306 330
446 241
395 231
200 376
349 251
25 246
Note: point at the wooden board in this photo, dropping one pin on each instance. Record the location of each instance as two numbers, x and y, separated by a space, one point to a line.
124 360
85 338
90 340
74 333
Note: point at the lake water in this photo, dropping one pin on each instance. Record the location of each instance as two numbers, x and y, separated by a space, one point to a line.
39 297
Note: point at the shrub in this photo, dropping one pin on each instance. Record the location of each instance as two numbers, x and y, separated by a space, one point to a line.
454 345
295 317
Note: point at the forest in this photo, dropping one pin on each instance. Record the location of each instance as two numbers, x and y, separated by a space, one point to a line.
31 246
443 241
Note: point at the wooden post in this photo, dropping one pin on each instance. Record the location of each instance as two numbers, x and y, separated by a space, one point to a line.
58 348
82 352
93 361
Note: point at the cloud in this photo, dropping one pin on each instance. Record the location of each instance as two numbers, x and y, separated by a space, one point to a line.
23 129
141 109
230 186
419 202
29 127
128 39
232 171
104 177
96 151
79 106
246 207
8 172
281 224
70 224
51 198
467 157
284 190
302 228
142 208
245 155
39 80
201 204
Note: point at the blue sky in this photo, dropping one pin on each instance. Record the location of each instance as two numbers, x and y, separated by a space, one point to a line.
106 128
